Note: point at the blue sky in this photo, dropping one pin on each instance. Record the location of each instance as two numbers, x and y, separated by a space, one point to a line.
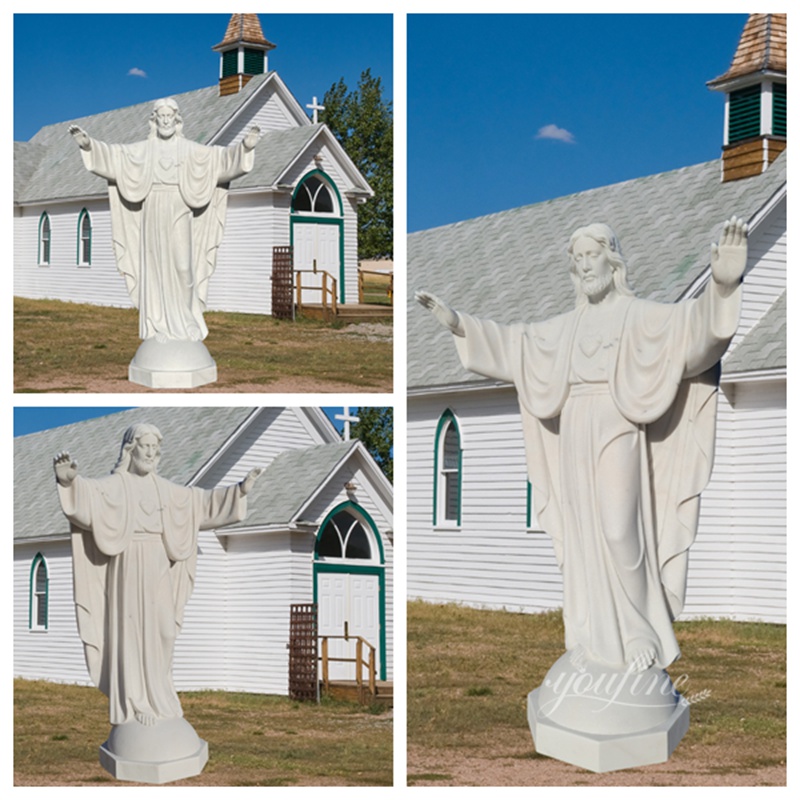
508 110
94 62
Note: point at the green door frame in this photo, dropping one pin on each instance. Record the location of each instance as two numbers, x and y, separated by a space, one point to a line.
357 569
339 221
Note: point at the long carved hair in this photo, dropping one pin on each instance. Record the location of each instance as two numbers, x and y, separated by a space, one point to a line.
170 103
129 439
607 239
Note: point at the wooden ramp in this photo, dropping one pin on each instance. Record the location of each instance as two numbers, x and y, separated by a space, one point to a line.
353 693
353 312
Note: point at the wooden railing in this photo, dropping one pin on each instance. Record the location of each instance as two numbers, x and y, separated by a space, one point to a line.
328 289
359 661
381 284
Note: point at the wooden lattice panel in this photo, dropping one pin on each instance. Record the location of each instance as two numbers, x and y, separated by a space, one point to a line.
282 283
303 655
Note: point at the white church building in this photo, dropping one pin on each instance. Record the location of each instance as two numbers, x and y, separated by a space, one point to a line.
303 193
318 531
473 536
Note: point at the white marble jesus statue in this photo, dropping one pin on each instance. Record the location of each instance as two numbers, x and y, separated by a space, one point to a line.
134 552
168 200
618 411
618 405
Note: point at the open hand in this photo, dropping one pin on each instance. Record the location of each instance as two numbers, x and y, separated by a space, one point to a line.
729 257
444 314
251 137
252 477
66 469
80 136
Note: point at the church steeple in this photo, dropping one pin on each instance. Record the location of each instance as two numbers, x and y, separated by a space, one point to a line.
242 53
755 101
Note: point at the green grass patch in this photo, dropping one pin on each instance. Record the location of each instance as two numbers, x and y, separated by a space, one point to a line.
470 672
73 347
254 740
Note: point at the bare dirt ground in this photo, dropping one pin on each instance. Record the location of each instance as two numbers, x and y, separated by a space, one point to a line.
708 766
290 385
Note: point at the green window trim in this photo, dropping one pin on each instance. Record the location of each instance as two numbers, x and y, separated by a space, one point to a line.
84 247
44 251
447 421
744 114
529 505
358 511
39 595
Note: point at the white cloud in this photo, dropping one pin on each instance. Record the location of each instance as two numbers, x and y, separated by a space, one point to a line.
139 73
554 132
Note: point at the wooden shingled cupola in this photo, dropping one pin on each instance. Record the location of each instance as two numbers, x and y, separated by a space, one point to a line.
755 98
242 53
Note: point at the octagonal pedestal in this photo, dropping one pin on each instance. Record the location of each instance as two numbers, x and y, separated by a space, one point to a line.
172 365
603 719
167 751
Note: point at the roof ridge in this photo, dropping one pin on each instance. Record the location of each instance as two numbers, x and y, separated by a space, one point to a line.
582 192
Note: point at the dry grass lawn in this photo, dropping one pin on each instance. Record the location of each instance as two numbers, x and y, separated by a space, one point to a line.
253 740
470 671
71 347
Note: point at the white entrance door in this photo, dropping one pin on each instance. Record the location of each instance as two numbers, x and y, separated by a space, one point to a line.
316 248
348 604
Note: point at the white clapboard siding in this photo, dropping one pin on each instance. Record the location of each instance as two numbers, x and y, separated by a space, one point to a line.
765 279
272 432
271 113
737 564
100 283
57 654
742 536
491 559
242 281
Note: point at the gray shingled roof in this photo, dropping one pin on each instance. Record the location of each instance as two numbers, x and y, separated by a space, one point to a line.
764 346
49 167
95 444
289 482
512 266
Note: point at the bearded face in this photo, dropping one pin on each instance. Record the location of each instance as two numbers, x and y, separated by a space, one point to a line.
592 267
145 454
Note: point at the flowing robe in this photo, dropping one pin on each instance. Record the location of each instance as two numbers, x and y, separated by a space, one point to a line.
134 554
619 431
168 207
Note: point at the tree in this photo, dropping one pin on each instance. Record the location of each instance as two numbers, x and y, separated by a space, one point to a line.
375 430
362 123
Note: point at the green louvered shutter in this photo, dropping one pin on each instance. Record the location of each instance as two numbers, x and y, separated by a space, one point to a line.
230 65
253 61
744 119
779 109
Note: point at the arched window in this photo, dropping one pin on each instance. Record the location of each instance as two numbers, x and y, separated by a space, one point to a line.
37 613
344 537
84 239
44 239
447 472
313 196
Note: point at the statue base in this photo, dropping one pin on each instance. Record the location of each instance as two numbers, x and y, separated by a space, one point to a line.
172 364
167 751
605 719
